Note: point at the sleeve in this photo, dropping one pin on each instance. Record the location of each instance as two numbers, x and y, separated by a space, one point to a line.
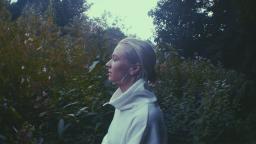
105 139
136 131
148 128
155 132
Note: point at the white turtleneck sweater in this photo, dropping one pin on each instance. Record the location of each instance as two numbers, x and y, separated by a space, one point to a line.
137 118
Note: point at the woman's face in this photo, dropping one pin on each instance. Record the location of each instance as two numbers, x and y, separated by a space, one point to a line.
118 65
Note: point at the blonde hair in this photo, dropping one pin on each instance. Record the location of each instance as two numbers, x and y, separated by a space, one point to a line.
142 52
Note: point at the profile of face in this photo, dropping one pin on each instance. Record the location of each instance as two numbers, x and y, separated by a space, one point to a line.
118 65
132 59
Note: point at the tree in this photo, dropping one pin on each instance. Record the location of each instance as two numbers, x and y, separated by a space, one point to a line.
50 89
219 30
63 10
18 7
66 10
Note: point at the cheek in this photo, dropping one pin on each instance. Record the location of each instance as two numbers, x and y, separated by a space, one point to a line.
119 70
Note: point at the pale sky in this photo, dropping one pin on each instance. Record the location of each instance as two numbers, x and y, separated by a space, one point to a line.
132 13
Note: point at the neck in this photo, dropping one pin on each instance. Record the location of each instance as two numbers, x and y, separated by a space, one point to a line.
124 86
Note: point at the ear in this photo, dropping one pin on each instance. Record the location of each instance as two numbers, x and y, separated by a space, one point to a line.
134 69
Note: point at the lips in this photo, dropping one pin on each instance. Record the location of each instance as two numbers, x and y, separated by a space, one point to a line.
109 73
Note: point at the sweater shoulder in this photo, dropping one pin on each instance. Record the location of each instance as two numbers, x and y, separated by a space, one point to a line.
155 114
148 112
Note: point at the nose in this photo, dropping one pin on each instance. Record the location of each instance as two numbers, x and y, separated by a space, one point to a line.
108 64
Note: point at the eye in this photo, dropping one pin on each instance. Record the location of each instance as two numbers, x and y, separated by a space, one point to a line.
114 58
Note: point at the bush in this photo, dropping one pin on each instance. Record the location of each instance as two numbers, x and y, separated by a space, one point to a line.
50 91
203 103
53 85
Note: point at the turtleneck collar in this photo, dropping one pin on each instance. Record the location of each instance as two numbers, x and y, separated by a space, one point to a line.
136 94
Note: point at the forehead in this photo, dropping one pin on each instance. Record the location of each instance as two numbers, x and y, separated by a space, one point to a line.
119 51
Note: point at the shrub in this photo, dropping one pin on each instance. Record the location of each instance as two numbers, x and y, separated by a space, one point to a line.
49 91
203 103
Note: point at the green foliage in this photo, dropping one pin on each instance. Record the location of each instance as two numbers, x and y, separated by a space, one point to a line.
215 29
53 85
203 103
63 11
66 10
49 90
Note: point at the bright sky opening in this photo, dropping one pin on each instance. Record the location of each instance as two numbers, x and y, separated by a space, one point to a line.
132 13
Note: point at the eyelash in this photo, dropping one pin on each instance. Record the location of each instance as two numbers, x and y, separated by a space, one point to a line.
114 59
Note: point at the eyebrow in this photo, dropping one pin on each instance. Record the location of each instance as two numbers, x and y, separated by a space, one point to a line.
115 56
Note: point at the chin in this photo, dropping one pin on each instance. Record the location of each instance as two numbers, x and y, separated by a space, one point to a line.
110 79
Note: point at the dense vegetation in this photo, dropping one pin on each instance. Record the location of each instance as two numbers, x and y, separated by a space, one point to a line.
204 103
51 87
221 30
53 83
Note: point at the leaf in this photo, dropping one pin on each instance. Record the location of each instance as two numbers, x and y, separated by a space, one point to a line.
70 91
2 137
42 114
97 126
93 65
71 115
14 113
15 129
70 104
61 127
83 109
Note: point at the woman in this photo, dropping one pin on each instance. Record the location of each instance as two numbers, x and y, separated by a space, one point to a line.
137 118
